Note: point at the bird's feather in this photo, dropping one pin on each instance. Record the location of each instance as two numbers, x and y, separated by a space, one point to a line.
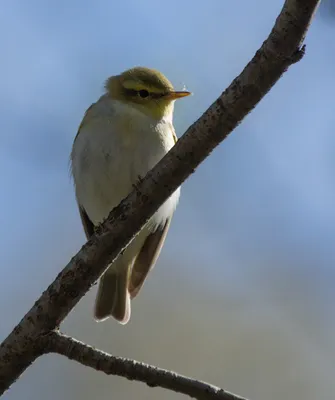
87 223
146 258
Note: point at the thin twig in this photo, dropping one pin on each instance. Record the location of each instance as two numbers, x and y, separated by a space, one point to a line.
134 370
276 54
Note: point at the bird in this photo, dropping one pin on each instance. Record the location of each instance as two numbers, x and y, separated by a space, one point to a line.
122 136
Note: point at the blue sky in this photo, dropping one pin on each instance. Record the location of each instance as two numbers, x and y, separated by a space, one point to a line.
257 218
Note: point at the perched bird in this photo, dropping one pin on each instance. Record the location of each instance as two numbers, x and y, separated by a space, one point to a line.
121 137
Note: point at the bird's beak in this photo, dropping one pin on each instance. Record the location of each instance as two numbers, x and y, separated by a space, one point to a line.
177 95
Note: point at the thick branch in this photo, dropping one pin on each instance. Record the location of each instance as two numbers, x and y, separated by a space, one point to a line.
280 50
133 370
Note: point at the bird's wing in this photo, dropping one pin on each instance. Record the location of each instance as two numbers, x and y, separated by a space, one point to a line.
149 252
146 258
173 133
85 119
87 223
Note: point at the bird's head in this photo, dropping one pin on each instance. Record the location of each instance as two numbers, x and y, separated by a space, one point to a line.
145 89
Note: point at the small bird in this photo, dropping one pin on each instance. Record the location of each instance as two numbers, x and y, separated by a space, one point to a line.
121 137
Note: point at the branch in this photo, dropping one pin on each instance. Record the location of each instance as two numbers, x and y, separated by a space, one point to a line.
134 370
278 52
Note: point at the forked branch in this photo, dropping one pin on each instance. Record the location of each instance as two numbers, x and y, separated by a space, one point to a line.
281 49
134 370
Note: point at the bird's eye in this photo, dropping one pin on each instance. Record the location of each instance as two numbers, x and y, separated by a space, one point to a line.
143 93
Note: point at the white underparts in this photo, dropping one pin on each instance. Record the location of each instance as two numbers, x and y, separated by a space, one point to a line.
115 147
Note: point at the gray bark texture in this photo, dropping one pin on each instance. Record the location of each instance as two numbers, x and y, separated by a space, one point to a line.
37 332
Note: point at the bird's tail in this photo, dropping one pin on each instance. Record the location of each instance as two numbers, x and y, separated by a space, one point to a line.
113 298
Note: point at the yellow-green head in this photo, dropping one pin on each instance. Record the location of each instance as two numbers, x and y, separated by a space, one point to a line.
146 89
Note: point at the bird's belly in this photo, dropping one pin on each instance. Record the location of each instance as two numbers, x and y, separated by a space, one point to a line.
111 171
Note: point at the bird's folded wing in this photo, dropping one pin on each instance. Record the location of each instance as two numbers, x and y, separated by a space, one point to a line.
146 258
87 223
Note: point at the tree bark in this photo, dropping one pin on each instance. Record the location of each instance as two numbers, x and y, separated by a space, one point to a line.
281 49
134 370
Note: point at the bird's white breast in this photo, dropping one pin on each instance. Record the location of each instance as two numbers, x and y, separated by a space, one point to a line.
116 145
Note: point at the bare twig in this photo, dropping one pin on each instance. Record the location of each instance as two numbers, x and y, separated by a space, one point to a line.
134 370
278 52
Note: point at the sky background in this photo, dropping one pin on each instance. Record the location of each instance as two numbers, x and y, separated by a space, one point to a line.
243 293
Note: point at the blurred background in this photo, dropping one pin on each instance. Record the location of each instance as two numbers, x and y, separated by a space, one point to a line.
243 293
